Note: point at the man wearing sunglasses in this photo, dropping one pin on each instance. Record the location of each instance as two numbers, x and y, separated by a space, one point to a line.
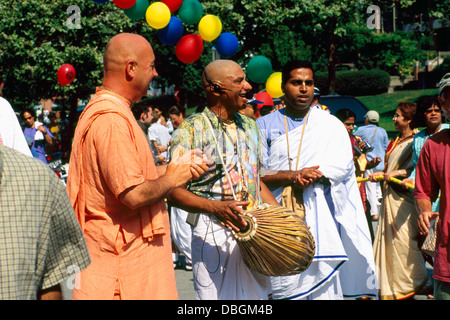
309 149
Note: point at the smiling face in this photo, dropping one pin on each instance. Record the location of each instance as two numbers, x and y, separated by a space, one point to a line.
299 90
236 82
400 122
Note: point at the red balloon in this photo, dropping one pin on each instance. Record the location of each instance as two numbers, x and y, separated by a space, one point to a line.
265 98
124 4
66 74
173 4
189 48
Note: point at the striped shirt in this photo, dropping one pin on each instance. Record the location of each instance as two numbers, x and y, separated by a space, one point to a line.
41 243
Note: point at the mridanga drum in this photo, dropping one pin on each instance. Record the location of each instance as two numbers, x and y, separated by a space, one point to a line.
276 241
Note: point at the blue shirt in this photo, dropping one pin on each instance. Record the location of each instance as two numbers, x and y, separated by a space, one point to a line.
380 142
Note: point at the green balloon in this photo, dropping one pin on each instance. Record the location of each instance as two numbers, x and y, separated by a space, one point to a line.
190 11
259 69
137 11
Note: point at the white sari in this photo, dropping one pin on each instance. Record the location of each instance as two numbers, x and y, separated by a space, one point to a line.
335 213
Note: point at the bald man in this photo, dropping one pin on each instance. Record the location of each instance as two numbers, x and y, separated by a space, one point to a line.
232 185
115 188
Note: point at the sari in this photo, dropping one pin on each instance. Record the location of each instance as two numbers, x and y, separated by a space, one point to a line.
401 267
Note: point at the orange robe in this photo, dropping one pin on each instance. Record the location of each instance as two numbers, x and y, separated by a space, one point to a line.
130 249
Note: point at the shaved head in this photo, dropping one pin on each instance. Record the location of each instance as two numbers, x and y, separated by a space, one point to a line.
128 65
219 71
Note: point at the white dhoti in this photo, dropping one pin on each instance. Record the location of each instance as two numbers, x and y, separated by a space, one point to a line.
181 232
219 270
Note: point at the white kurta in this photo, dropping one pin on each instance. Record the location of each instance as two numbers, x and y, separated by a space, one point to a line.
335 213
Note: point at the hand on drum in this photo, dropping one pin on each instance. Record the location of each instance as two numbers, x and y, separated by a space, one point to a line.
228 212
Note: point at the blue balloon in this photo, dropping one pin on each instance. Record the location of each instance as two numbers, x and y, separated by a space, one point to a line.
100 1
171 33
226 44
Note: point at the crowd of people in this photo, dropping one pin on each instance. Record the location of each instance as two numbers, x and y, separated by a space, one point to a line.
147 183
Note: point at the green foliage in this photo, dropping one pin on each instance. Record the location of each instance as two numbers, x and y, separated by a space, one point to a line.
356 83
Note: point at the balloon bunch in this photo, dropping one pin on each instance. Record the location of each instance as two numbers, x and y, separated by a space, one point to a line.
189 47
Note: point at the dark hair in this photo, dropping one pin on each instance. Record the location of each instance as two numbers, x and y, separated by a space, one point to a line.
177 110
424 103
140 108
292 65
344 114
30 111
408 110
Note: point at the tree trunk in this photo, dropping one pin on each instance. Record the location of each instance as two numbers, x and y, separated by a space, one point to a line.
332 64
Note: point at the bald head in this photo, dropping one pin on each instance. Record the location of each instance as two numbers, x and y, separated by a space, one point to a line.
218 71
128 64
124 47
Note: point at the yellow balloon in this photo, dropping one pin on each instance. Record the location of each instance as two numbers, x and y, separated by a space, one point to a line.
273 85
158 15
209 27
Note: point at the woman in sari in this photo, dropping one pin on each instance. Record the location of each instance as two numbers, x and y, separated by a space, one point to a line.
401 267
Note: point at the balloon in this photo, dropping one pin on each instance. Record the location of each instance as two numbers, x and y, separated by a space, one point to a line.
227 44
66 74
157 15
124 4
190 11
259 69
265 98
173 4
137 11
189 48
172 32
273 85
210 27
100 1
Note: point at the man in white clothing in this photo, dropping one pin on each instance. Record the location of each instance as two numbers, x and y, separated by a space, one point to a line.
343 265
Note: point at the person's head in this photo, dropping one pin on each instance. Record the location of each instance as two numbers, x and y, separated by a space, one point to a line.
142 112
372 117
28 115
52 117
249 111
129 65
444 93
316 97
176 115
348 118
404 115
154 116
429 113
298 85
225 85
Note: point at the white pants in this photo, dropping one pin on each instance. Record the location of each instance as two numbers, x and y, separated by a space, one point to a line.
331 290
373 192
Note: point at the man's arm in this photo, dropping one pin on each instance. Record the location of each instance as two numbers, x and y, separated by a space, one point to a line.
226 211
426 215
53 293
300 179
175 174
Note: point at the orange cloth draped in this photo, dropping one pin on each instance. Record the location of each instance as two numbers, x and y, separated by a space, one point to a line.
130 248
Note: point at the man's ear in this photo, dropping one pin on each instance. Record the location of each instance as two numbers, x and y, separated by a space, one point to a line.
130 69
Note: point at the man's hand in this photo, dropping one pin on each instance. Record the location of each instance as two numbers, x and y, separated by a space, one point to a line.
424 221
196 161
228 213
306 176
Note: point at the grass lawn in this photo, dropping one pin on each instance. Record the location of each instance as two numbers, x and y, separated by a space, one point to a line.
386 104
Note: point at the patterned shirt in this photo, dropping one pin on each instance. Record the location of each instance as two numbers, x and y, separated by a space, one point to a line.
41 243
236 142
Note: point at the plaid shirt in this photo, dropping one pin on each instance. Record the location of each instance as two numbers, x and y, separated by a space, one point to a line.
41 242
